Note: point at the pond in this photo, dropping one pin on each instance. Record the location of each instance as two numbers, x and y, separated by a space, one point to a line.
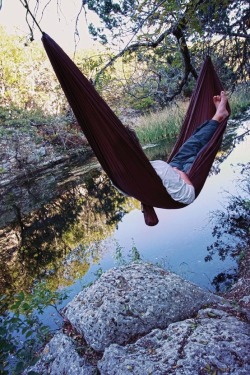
66 227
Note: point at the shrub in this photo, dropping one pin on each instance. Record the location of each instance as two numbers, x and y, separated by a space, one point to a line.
22 334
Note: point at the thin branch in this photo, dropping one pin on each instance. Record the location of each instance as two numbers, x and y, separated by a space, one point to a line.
28 12
229 33
76 32
144 20
45 6
132 48
178 33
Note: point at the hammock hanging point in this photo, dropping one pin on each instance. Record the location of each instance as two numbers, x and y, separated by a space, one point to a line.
28 11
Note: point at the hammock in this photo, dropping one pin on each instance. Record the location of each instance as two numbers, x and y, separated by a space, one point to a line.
115 146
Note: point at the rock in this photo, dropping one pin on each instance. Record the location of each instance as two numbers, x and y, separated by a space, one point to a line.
173 329
4 166
41 151
213 343
245 299
60 357
128 302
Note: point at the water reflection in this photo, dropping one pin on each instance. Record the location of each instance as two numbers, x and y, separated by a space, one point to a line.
87 221
236 132
33 247
231 228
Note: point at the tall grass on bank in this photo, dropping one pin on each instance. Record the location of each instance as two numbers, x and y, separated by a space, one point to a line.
166 124
239 100
160 125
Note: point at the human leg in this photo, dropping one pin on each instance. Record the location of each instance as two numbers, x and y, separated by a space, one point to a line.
190 149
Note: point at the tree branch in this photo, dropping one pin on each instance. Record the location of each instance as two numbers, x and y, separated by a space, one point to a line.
28 11
229 33
132 48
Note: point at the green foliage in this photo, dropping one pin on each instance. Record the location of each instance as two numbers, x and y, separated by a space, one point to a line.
89 62
12 116
143 104
118 256
161 29
145 81
98 273
27 80
132 256
240 100
22 335
161 125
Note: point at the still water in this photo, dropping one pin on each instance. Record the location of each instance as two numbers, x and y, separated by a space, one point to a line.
88 227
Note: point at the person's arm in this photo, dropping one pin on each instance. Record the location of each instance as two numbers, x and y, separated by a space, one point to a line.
183 176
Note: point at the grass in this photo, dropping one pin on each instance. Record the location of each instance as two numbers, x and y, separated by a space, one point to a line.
164 124
239 100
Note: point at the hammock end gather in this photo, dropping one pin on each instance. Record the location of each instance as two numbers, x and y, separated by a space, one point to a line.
150 216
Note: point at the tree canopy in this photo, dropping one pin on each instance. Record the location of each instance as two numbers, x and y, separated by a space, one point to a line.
168 39
167 28
165 42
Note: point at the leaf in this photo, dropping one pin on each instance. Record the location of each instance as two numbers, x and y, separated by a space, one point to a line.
3 297
25 329
45 329
16 305
3 331
28 334
7 347
19 367
25 306
21 296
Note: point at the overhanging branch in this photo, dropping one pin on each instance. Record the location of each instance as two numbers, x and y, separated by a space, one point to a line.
132 48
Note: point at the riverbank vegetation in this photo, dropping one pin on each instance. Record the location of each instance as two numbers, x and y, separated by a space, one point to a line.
166 123
32 101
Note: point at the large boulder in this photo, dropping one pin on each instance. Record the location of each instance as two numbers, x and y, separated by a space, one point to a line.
215 342
128 302
60 357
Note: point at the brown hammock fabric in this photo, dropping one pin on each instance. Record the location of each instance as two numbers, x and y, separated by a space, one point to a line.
115 146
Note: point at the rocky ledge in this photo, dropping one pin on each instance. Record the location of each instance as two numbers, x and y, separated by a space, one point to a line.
140 319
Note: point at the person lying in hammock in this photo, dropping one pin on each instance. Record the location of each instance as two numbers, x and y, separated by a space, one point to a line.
173 174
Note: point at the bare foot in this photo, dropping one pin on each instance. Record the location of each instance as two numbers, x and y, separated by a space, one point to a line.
220 102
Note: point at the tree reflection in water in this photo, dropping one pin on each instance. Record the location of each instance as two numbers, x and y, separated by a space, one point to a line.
231 231
33 248
230 140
